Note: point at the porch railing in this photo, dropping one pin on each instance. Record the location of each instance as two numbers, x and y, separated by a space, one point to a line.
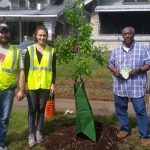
30 7
23 8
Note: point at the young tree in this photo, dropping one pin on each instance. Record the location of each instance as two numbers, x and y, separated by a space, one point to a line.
79 42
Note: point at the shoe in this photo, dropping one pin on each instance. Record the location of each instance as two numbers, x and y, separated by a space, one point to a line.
122 134
31 140
39 137
3 147
145 141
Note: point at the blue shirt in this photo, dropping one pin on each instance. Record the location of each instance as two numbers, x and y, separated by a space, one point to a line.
137 56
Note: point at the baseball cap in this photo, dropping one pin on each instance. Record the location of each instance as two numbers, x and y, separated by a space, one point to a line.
4 27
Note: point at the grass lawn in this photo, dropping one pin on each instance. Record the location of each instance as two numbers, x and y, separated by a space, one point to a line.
64 71
18 131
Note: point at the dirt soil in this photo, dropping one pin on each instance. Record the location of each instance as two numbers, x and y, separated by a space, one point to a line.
96 90
65 139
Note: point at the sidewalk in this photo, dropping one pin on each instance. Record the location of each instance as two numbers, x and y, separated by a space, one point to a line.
98 107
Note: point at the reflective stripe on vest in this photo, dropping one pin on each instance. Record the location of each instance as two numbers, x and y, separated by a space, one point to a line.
8 68
12 70
32 67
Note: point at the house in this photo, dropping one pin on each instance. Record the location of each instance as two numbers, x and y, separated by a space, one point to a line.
24 15
110 16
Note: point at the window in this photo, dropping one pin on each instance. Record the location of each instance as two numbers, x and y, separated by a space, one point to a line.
22 3
18 4
32 4
139 20
15 4
42 1
142 0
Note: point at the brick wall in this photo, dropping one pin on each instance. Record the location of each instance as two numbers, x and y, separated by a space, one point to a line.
113 40
95 24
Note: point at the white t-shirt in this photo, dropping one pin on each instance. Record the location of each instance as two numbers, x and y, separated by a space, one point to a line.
126 48
3 53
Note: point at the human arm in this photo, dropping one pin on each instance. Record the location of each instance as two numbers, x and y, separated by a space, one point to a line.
112 65
52 88
115 71
26 68
142 69
27 65
146 63
21 82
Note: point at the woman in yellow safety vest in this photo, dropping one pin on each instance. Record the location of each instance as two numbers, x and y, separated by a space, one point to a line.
40 72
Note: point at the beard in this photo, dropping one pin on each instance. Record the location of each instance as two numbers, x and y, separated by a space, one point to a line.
4 41
128 42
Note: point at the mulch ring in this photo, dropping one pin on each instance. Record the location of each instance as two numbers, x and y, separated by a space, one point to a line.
65 139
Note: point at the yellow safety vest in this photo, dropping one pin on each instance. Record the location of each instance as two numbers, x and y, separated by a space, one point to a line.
40 74
8 68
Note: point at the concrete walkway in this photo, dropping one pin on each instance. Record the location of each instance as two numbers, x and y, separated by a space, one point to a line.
98 107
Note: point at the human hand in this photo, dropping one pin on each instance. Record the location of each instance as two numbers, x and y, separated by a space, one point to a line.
134 72
20 95
117 73
52 89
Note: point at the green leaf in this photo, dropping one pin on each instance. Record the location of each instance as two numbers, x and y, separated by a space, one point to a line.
79 41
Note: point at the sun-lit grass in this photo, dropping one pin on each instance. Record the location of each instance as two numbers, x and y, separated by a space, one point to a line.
64 71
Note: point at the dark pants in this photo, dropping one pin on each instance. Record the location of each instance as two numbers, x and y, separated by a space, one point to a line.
36 104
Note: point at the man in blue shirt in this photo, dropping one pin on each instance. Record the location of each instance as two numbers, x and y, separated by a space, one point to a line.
129 63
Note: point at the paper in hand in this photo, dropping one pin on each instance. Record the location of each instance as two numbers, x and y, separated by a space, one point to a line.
125 72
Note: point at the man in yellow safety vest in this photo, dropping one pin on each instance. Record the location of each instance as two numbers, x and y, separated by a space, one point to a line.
11 71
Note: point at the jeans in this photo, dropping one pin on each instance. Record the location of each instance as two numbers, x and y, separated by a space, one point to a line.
6 102
121 106
36 104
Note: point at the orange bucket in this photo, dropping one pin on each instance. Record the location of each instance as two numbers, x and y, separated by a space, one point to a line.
50 108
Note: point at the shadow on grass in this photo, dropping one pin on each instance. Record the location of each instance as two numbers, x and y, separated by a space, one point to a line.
114 121
50 125
107 119
133 122
17 136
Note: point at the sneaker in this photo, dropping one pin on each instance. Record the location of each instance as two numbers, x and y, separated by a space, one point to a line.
39 137
122 134
3 147
31 140
145 141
